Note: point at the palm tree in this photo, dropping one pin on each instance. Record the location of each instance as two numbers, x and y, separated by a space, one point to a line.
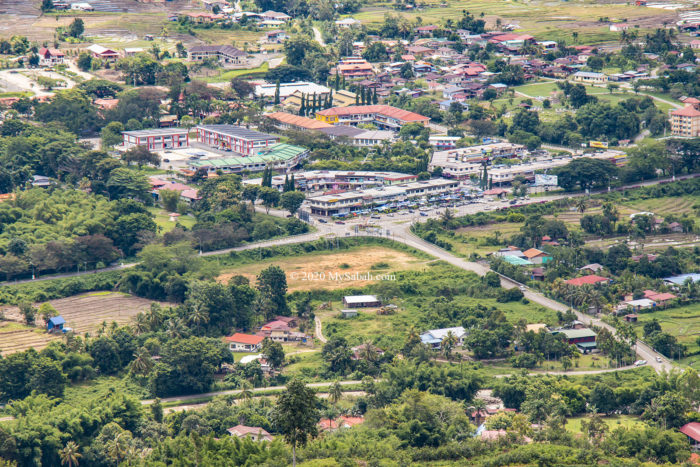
175 328
69 454
335 393
198 316
447 344
246 392
581 205
142 363
154 315
368 353
118 447
141 324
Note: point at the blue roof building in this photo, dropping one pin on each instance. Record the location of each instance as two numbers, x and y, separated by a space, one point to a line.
55 323
680 279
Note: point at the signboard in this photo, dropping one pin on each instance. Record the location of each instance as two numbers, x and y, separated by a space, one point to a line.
546 180
598 144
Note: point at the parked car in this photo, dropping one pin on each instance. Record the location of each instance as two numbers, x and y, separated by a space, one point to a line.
322 221
658 359
375 216
640 362
340 222
423 214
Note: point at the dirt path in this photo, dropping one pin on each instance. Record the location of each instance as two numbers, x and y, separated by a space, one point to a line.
319 330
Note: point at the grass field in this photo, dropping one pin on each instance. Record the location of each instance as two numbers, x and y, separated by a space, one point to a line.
544 20
162 220
319 270
573 424
229 75
682 322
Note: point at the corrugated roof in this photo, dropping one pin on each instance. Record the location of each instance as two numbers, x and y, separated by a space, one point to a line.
237 131
299 121
278 152
592 279
575 333
384 110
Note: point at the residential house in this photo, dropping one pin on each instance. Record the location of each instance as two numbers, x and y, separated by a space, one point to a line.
103 53
347 23
361 301
240 342
50 57
278 331
434 337
589 77
426 30
631 318
55 324
536 256
275 37
661 299
584 339
254 432
359 352
275 16
682 278
226 55
591 268
591 279
639 304
692 431
537 274
344 421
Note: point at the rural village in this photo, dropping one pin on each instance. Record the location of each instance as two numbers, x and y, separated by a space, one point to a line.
314 233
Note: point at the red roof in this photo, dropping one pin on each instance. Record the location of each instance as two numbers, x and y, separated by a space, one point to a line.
244 339
691 429
592 279
495 191
658 297
297 120
691 100
275 326
342 421
687 111
385 110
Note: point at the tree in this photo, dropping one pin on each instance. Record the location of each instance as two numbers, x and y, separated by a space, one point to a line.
112 134
335 393
269 196
28 312
272 285
448 344
274 353
142 364
84 61
292 201
69 454
603 398
337 355
242 88
141 155
47 5
76 28
296 415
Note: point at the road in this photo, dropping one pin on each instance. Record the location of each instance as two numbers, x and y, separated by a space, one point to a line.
318 330
318 37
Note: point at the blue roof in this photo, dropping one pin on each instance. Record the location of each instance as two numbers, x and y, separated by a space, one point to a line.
680 279
57 320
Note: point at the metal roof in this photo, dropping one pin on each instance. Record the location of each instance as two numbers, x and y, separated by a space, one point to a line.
237 131
276 153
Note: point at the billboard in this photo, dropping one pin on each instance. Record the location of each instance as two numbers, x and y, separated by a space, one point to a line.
598 144
546 180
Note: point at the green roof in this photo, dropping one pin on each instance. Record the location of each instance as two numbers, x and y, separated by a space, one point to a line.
275 153
576 333
516 260
586 345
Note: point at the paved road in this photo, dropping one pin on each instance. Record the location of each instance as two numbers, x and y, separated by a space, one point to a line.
238 391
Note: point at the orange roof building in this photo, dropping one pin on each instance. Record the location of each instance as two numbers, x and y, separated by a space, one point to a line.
240 342
384 116
296 122
590 279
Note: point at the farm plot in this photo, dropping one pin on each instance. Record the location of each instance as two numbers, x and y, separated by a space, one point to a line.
350 268
16 337
86 312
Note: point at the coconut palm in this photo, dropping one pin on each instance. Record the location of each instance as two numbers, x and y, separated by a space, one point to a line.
198 316
141 324
246 392
154 316
581 205
175 328
335 393
447 344
118 447
69 455
142 363
368 353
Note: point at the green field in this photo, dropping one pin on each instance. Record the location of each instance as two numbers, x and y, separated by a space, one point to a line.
227 76
614 421
162 220
682 322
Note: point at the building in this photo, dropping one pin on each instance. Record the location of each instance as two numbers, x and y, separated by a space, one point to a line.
275 37
342 204
132 51
692 431
270 15
344 421
384 116
226 55
354 67
50 57
373 138
592 268
434 337
244 342
288 121
461 163
235 138
589 77
361 301
443 142
280 156
103 53
686 121
254 432
347 23
584 338
325 180
682 278
267 91
55 324
157 139
349 313
591 279
536 256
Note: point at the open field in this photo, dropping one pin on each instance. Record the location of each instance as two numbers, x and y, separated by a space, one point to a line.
319 270
682 322
162 219
83 313
544 20
573 424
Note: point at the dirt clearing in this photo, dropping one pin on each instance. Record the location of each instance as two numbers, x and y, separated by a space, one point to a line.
354 268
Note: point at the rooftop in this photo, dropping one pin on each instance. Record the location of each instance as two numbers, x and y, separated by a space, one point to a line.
385 110
275 153
592 279
237 131
244 339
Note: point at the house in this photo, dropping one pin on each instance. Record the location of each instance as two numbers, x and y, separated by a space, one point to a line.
103 53
619 27
82 6
347 23
343 421
361 350
132 51
631 318
434 337
254 432
275 37
660 299
686 121
675 227
536 256
640 304
680 279
591 279
584 339
537 274
41 181
50 57
157 138
270 15
278 331
591 268
226 55
350 313
692 431
361 301
240 342
427 30
589 77
55 324
385 117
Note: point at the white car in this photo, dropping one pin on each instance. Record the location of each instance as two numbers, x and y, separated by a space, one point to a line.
640 362
658 359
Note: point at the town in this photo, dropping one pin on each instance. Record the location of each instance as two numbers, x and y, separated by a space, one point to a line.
263 232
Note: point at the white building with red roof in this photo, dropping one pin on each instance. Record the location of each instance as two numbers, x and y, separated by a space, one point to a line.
254 432
240 342
384 116
50 57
